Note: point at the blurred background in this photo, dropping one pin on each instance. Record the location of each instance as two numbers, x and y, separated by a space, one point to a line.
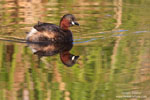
113 42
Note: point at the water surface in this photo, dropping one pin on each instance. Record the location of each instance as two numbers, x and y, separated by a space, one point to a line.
113 42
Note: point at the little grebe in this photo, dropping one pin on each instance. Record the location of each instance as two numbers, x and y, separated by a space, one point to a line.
51 32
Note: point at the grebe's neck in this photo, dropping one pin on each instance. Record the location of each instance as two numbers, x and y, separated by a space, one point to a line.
64 56
64 24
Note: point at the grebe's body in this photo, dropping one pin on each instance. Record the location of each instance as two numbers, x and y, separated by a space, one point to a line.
51 32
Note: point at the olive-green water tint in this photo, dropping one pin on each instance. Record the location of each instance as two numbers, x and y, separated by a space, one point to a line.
113 42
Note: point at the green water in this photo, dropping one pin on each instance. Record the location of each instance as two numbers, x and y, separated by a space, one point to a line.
113 42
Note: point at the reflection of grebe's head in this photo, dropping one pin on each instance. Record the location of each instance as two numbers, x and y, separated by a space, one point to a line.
68 59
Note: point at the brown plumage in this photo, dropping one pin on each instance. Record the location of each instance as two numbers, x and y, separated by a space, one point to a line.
51 32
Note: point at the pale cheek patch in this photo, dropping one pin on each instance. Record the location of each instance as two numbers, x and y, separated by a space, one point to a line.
73 58
72 23
33 31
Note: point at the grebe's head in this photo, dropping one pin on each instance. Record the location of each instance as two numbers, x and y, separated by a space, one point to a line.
67 21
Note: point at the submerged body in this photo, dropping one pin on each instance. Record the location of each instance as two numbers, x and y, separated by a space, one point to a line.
44 32
50 49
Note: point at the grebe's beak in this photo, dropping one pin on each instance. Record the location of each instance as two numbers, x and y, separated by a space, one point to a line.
75 23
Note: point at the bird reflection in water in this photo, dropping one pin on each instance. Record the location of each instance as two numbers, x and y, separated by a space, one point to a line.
50 49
